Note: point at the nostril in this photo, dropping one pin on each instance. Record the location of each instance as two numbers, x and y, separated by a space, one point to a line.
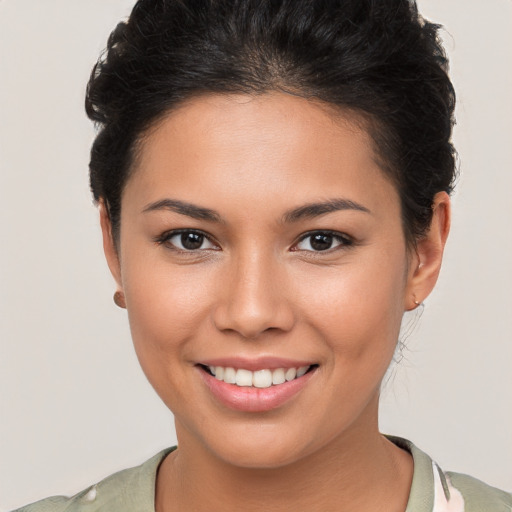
252 304
252 324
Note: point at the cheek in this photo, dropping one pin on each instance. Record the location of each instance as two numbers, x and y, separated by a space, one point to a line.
167 309
357 317
359 308
165 304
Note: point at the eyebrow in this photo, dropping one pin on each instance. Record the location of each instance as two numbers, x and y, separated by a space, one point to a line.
184 208
312 210
307 211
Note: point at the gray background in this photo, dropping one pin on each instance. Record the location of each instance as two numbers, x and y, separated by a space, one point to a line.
74 405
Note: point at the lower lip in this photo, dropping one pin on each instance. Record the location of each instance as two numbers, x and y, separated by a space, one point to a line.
251 399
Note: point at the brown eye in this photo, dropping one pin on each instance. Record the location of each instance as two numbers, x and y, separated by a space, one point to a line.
322 241
191 241
187 241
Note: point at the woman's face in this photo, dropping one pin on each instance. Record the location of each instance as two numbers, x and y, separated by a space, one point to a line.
259 234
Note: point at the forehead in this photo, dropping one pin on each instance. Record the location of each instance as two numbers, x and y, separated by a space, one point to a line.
271 147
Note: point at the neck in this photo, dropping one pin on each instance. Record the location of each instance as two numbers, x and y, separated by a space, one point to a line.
360 470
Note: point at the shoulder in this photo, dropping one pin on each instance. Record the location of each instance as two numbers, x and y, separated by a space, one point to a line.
129 490
477 495
434 490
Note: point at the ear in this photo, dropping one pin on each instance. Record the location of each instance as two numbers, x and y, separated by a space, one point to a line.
109 246
426 259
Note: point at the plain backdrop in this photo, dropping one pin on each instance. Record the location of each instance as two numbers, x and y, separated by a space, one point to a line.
75 406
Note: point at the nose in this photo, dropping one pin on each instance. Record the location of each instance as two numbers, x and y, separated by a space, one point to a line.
254 298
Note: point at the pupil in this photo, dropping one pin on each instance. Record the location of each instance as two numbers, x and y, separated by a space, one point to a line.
321 242
191 241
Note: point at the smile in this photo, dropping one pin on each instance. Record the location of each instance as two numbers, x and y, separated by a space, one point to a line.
264 378
269 383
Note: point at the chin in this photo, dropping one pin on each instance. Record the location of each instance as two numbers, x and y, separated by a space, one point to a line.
258 444
259 456
266 444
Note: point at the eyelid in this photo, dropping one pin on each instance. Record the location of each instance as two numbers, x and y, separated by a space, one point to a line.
345 240
167 235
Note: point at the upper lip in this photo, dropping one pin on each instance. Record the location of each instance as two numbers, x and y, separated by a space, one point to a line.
254 364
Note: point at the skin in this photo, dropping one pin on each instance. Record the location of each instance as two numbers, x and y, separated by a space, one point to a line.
258 289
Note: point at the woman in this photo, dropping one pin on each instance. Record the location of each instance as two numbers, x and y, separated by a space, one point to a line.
273 184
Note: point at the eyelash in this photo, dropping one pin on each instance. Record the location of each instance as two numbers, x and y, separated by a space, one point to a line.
344 241
164 239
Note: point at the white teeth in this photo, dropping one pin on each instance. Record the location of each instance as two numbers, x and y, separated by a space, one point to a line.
243 377
262 379
301 371
278 376
230 375
219 373
259 378
290 374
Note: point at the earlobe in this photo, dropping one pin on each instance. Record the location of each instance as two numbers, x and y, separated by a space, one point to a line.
429 253
109 246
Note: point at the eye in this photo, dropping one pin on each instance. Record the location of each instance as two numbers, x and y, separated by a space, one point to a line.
187 240
322 241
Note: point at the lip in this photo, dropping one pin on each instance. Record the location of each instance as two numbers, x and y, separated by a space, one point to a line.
255 364
251 399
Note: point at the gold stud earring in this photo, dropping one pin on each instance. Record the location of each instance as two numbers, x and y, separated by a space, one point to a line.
416 302
119 299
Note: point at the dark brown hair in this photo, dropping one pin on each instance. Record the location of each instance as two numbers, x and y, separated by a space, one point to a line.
375 57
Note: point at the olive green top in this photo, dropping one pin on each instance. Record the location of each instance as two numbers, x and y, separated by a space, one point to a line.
432 490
